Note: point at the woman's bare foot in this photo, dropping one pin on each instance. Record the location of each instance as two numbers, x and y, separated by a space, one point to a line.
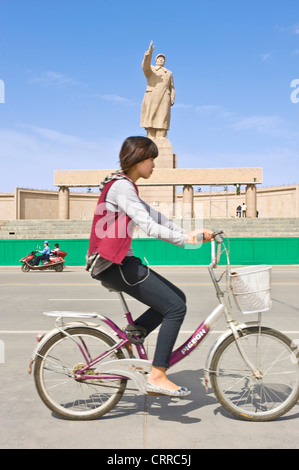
158 377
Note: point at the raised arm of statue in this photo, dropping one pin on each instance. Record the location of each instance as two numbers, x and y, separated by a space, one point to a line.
151 48
146 63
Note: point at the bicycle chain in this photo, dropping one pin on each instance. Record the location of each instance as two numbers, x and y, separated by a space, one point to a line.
96 382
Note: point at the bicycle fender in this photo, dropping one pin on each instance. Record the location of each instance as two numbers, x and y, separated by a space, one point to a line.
44 338
218 342
49 335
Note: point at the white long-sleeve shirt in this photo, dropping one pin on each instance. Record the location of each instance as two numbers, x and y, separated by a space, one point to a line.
122 197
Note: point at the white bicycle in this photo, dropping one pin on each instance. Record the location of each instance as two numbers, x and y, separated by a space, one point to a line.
81 369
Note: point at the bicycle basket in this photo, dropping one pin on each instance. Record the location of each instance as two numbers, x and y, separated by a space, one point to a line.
251 286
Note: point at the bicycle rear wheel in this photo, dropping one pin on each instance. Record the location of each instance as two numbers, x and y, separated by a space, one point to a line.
54 373
246 396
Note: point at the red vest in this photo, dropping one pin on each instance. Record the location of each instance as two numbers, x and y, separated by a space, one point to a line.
111 232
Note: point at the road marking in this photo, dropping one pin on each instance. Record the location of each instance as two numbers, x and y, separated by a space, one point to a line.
285 283
26 332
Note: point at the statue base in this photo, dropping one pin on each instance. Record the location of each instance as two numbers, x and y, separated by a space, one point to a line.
166 200
166 157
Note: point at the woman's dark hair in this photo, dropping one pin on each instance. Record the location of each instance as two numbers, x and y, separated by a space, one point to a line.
135 150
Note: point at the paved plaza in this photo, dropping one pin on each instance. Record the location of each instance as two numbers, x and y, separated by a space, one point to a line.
138 422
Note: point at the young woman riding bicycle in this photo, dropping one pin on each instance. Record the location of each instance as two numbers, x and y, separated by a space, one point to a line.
119 209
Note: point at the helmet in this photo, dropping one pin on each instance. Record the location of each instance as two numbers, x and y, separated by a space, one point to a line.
46 241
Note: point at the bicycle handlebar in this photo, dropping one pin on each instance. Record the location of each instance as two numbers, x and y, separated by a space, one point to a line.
218 238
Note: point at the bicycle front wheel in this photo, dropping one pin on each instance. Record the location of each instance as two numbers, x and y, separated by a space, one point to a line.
57 365
243 395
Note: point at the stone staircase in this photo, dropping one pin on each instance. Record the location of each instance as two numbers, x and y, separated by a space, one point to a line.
242 227
76 229
45 229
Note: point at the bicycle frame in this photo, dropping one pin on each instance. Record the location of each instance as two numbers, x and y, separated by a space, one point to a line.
126 368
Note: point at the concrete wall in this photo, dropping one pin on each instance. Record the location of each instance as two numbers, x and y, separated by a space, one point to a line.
35 204
276 201
40 204
82 205
279 201
7 206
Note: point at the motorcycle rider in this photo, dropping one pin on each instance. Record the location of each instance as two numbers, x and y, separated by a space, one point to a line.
44 254
55 249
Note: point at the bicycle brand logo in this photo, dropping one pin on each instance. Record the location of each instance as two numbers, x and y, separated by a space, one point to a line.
295 93
194 341
2 92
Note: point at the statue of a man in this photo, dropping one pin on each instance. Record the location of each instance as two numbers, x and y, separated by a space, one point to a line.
159 96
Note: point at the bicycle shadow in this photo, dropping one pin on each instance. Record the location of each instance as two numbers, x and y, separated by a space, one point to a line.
168 408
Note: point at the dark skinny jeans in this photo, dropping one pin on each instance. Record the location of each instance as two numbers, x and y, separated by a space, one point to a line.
37 259
167 303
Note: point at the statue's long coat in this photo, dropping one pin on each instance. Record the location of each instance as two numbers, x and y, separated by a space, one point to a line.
160 92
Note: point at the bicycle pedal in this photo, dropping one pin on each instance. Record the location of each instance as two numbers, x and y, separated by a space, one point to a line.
136 334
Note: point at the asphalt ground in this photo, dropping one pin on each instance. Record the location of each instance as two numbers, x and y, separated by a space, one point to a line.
138 422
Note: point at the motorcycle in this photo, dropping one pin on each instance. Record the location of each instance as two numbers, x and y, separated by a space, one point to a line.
56 262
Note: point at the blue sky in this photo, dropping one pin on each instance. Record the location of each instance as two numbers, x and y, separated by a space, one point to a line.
74 84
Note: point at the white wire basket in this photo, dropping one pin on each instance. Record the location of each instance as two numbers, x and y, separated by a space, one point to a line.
251 287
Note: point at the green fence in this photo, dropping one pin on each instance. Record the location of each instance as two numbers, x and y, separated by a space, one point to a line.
275 251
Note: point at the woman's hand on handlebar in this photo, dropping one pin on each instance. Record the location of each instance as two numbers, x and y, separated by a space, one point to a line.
200 236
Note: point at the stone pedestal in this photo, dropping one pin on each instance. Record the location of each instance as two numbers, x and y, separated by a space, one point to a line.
163 198
166 157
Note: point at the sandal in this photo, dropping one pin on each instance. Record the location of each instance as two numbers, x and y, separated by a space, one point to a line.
154 390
